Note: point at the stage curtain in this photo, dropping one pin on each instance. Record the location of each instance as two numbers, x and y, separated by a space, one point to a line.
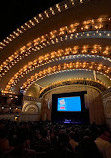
96 111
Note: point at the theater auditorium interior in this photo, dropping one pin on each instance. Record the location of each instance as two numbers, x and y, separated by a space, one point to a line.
55 79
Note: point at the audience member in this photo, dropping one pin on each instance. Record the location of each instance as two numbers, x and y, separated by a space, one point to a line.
103 144
47 140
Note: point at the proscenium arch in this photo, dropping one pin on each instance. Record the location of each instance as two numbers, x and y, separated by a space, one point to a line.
68 67
54 73
76 51
92 83
70 79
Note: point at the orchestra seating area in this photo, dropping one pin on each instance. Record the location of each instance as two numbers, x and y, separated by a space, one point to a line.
47 140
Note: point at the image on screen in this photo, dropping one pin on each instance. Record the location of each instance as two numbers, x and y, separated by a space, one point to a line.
69 104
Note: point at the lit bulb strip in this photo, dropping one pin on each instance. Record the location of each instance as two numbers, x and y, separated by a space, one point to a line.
65 66
61 72
88 81
71 29
56 9
46 40
69 53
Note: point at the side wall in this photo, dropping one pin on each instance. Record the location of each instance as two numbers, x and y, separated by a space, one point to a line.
107 106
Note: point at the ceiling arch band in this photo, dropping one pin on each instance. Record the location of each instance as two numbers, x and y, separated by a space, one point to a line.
69 53
16 78
87 29
56 9
99 85
65 66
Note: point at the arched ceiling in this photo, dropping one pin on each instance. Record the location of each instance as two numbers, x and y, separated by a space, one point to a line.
69 40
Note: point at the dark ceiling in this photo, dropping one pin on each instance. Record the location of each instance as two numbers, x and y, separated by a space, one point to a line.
15 13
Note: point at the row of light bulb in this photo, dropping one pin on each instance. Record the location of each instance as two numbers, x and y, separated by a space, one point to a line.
88 81
42 60
38 19
46 40
61 71
65 66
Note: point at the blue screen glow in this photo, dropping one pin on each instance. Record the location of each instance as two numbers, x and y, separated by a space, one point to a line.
68 104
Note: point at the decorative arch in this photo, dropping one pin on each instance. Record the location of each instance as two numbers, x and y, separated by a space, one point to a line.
52 11
66 67
32 107
71 32
97 84
63 54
